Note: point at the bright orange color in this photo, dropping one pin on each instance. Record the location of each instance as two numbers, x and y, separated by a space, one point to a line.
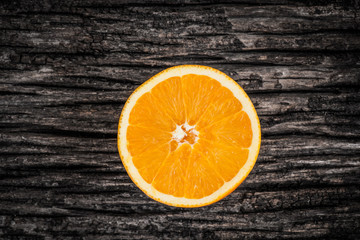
187 137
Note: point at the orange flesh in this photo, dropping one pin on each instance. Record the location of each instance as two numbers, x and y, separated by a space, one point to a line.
188 136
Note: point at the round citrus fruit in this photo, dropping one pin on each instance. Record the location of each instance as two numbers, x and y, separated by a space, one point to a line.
188 136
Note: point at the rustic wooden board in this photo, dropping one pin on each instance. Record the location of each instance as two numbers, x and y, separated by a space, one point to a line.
67 69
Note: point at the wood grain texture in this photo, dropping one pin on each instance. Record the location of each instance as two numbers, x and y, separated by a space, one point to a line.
67 69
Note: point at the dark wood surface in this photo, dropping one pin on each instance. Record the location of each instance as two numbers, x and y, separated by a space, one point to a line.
67 67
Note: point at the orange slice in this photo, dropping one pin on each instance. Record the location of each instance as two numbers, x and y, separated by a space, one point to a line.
188 136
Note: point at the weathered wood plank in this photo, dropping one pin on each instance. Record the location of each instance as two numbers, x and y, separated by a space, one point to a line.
158 42
251 78
164 30
67 69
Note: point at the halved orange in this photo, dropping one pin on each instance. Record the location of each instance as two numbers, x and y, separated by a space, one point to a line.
188 136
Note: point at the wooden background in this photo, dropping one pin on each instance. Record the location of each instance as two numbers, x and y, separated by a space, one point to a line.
67 68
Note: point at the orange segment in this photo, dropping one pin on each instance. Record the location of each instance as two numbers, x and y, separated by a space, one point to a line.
233 130
147 113
189 136
201 179
225 160
141 139
168 98
149 162
227 107
198 91
171 176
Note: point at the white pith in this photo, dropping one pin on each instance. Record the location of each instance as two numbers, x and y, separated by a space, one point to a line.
177 134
